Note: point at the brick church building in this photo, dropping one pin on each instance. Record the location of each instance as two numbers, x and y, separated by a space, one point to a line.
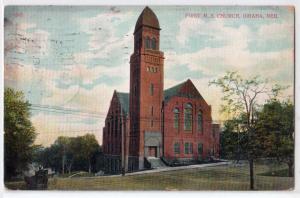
151 127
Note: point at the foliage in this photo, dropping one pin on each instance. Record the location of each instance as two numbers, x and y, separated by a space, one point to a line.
71 153
275 132
19 134
233 141
89 147
241 97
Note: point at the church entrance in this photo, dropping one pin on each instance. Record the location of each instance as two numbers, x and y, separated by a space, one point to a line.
152 151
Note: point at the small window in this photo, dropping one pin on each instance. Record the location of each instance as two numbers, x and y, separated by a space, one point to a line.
176 118
147 43
200 149
153 44
200 121
151 89
116 126
191 148
176 148
152 110
188 148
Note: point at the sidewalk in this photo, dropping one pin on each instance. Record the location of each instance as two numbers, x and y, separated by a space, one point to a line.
170 169
178 168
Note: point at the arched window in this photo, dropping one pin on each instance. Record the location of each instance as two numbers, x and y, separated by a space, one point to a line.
176 118
188 119
176 148
153 44
147 43
200 121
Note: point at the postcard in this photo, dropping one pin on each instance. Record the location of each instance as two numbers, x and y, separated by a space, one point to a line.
149 97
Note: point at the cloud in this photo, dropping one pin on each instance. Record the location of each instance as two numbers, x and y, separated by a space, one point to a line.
63 125
82 74
214 30
273 37
19 39
233 55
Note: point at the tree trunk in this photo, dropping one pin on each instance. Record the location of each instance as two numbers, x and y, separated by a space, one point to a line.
291 170
251 174
90 166
63 164
70 167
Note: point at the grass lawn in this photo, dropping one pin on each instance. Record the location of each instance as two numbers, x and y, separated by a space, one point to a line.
210 178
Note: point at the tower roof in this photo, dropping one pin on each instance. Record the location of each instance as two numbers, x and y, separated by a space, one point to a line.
147 18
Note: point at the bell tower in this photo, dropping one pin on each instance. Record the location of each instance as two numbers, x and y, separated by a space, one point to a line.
146 91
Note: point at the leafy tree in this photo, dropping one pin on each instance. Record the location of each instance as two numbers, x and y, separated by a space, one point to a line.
66 151
90 146
233 141
19 134
241 98
49 157
275 135
71 153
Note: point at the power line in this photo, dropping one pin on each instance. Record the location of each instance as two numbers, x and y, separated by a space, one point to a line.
57 109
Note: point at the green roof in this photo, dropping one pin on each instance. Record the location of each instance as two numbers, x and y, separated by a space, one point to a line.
124 100
173 91
168 94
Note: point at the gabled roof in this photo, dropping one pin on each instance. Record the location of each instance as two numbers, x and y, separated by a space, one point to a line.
184 89
147 18
124 101
173 91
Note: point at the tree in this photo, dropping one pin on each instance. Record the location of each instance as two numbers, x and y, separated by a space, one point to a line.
70 153
241 97
66 151
49 157
233 141
19 134
275 128
90 146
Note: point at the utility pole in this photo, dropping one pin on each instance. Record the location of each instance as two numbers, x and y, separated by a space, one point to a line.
122 142
238 141
163 128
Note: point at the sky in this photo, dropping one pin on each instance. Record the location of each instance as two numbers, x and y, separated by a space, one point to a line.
68 60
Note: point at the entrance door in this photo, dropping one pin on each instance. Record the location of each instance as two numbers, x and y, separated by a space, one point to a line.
152 151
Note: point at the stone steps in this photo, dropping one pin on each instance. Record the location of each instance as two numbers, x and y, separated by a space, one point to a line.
156 162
